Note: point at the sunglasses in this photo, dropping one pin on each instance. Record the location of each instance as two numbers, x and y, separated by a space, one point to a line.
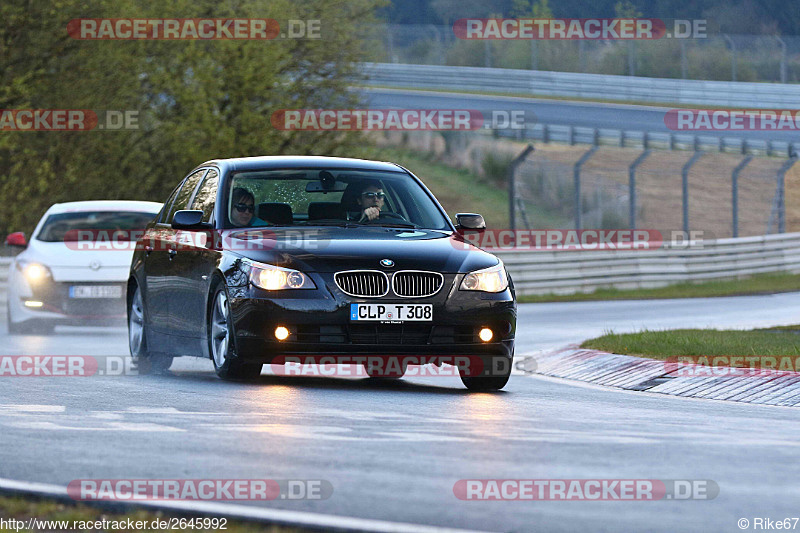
371 195
244 207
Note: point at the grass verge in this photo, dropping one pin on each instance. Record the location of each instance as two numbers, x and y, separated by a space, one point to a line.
757 284
22 509
772 342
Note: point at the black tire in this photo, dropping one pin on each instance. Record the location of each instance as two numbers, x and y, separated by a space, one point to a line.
145 361
493 377
222 340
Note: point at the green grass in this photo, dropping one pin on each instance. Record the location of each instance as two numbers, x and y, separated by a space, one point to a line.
461 191
20 508
758 284
783 341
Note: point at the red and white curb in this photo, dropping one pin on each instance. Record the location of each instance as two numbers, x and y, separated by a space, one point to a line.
635 373
324 522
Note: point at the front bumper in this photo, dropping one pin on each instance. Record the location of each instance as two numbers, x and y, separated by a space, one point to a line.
319 323
58 307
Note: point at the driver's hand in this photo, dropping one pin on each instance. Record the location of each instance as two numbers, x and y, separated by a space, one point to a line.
371 213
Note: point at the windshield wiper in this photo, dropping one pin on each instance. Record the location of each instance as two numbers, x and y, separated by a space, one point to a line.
395 225
336 224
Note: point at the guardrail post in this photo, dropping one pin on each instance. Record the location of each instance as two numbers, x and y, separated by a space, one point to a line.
596 136
576 175
622 138
781 194
572 135
632 186
685 187
733 56
512 184
735 193
683 59
672 139
546 134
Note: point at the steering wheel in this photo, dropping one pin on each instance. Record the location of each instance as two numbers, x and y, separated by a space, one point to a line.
392 216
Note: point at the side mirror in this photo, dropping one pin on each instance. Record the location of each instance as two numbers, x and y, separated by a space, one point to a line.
17 239
189 219
470 221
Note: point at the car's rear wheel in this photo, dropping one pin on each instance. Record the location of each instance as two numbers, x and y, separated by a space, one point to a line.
221 341
493 376
145 361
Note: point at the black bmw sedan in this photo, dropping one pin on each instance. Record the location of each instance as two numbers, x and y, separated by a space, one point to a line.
257 260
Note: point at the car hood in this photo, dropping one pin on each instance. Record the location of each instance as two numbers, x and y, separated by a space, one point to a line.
337 249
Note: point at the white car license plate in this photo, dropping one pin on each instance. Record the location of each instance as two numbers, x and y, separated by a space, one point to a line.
392 312
95 291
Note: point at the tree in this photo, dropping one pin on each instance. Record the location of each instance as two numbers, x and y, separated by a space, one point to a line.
197 99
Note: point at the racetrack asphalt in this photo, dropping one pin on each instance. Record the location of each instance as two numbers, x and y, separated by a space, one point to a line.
394 451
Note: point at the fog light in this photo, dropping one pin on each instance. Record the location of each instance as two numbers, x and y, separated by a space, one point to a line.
33 303
486 334
281 333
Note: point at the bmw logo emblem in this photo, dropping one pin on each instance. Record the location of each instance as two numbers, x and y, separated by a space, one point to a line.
94 265
388 263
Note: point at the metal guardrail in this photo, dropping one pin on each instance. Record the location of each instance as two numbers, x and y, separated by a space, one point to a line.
542 272
569 84
568 271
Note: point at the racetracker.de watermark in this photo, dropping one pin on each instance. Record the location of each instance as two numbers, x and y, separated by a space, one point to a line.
28 366
585 489
67 120
587 239
193 29
577 29
162 240
390 365
199 489
732 119
732 365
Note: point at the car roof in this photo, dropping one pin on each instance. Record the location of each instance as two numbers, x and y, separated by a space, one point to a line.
106 205
300 161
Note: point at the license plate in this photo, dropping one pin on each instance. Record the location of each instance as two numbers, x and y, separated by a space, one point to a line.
392 312
95 291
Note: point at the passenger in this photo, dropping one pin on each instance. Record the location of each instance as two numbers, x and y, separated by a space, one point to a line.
243 206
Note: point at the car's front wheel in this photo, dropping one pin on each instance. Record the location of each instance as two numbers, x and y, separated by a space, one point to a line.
145 361
221 340
493 376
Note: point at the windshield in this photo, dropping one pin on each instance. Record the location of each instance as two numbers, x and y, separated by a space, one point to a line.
67 226
320 197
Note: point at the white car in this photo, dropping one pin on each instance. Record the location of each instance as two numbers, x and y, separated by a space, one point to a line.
75 268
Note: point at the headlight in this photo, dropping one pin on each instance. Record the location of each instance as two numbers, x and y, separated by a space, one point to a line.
492 279
274 278
34 272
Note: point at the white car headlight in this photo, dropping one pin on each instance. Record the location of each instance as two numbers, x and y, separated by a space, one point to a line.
492 279
274 278
34 272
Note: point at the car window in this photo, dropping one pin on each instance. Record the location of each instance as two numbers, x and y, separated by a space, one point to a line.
71 227
162 215
298 198
206 196
184 194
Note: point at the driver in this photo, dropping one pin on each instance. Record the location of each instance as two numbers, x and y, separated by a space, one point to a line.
370 201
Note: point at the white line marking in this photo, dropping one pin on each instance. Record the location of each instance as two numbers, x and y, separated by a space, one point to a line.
243 512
